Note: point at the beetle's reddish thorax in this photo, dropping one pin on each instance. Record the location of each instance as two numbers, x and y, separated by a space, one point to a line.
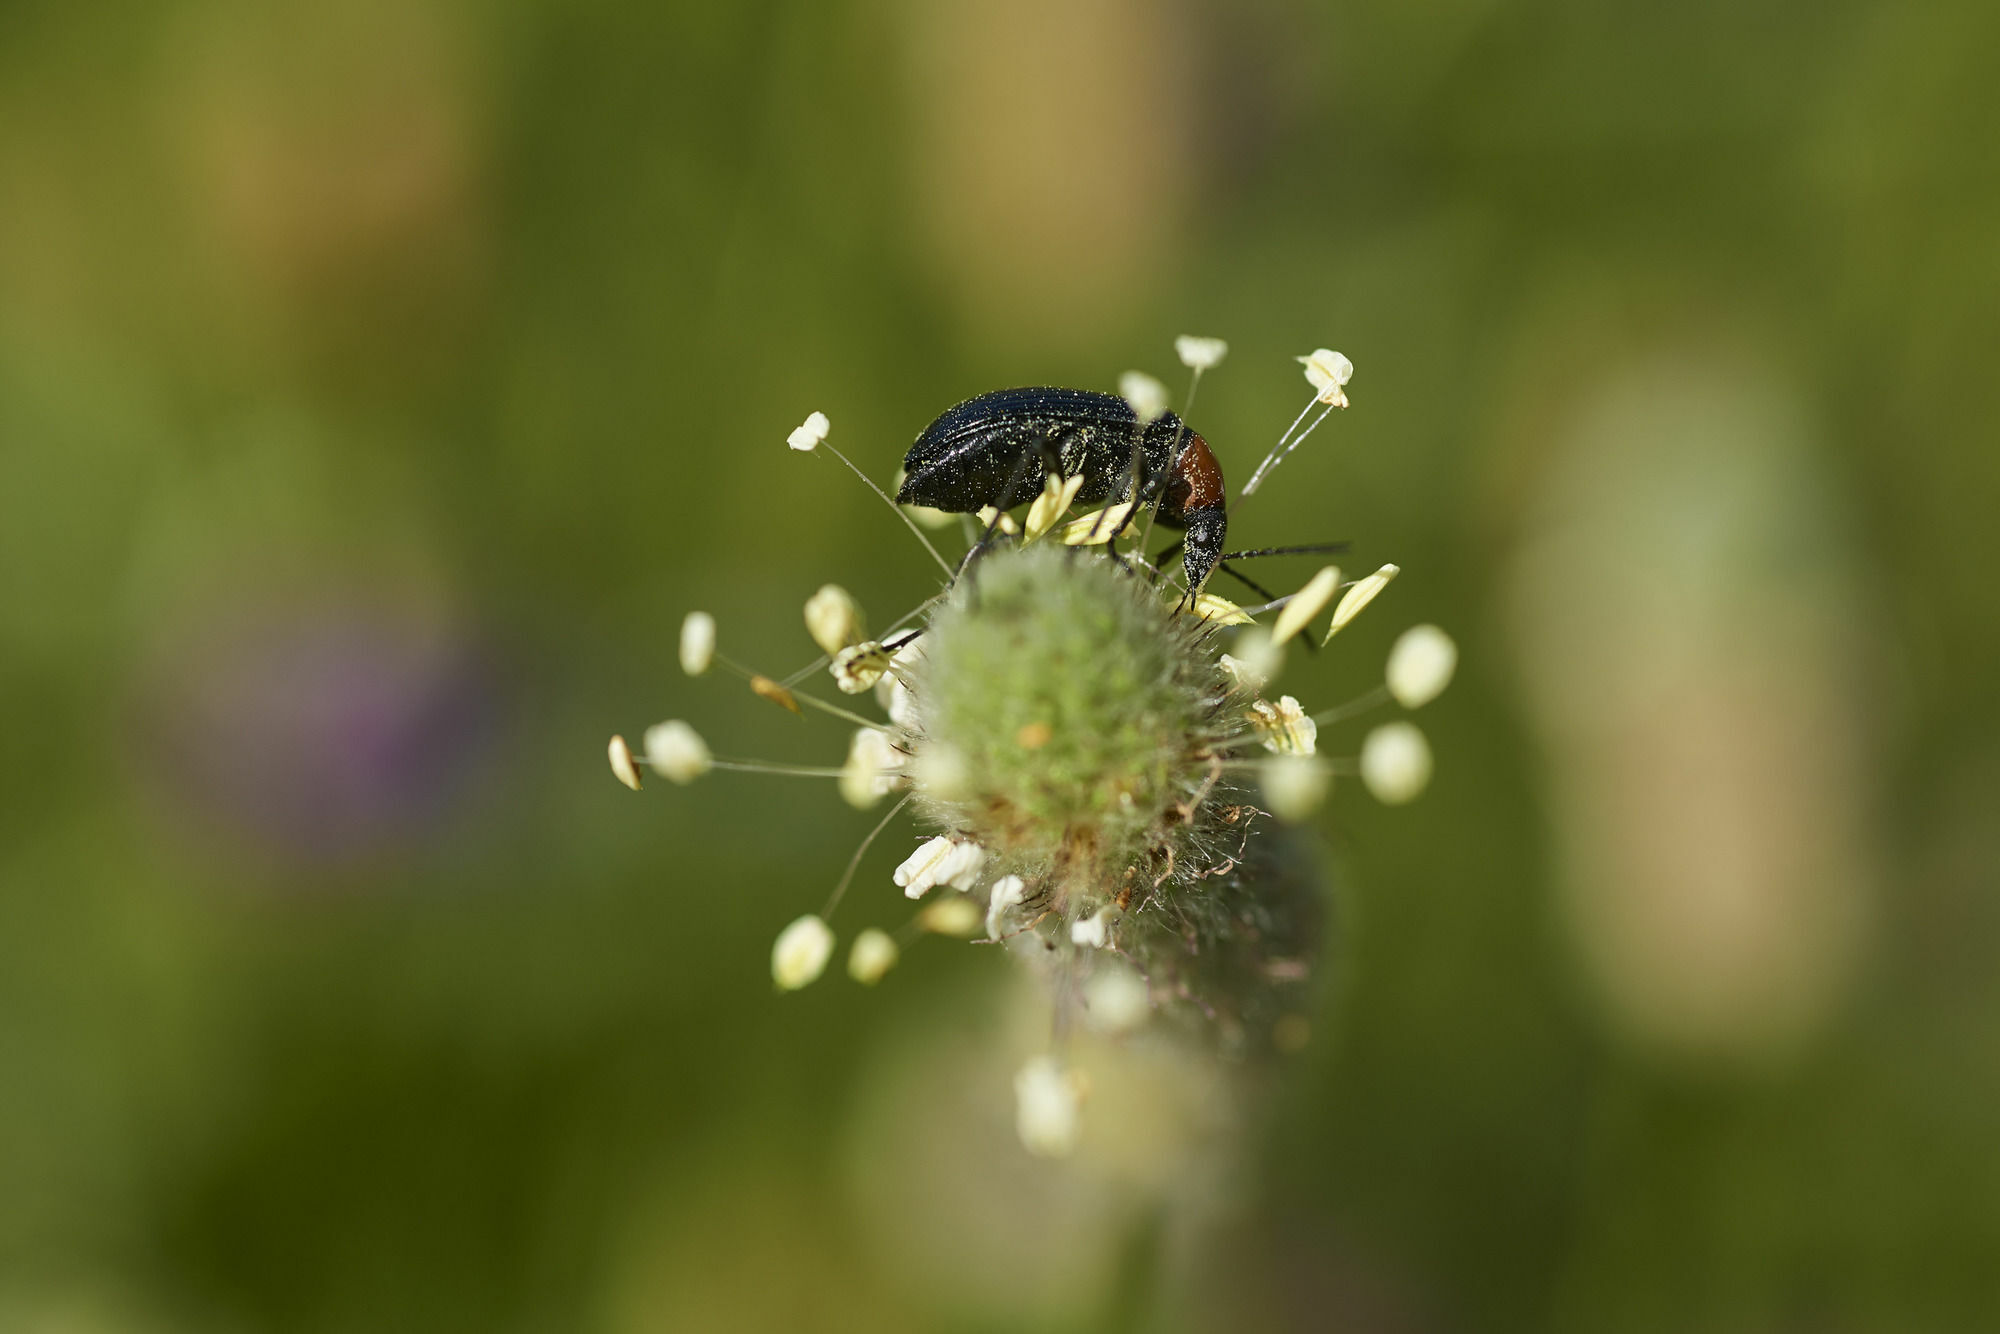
1197 484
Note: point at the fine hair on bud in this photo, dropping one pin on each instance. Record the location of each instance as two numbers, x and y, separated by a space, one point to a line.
1081 714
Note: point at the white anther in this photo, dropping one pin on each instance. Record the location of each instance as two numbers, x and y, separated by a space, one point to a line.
1047 1108
1146 396
808 437
1307 603
677 750
1094 930
1200 354
873 953
940 861
858 667
622 763
1328 373
800 953
1396 762
834 619
697 642
1359 596
1294 785
1420 665
1006 893
1285 728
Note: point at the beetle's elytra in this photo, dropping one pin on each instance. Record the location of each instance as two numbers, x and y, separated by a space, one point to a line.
998 448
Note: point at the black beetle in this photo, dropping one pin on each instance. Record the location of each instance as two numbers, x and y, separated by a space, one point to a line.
998 448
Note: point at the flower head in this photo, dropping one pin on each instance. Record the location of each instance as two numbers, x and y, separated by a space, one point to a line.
1092 765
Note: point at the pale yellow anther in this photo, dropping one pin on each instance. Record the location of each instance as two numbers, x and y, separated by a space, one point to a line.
1294 785
834 619
871 768
1328 373
954 916
1048 1107
1100 526
1307 603
1146 396
677 751
873 954
1220 610
697 642
1396 763
988 515
799 954
1285 727
622 763
1421 665
1200 354
1359 596
858 667
1058 494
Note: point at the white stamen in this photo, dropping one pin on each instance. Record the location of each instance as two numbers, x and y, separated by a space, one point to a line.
1306 604
697 642
622 763
1359 596
1058 494
1221 610
809 437
1094 930
1099 526
1007 891
1396 762
1200 354
1147 396
1116 999
857 668
677 750
834 618
1294 785
873 954
953 916
800 953
940 861
1328 373
1420 665
1284 727
868 773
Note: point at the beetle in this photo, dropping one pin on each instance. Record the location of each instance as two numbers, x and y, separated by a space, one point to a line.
998 449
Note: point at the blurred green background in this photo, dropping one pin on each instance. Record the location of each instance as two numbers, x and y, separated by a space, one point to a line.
381 381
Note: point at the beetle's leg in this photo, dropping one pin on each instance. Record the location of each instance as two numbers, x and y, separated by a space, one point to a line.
1044 453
